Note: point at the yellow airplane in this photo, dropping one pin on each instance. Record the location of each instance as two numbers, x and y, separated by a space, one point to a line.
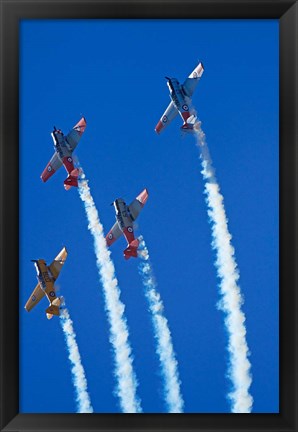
46 276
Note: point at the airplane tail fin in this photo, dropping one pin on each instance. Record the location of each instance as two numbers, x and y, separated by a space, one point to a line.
189 124
54 308
72 179
132 249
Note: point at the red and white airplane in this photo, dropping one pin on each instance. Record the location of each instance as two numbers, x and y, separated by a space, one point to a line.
125 216
64 146
181 101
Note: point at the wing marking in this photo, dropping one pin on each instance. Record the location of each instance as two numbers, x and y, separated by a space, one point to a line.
74 136
57 264
114 233
169 114
35 297
191 82
54 164
137 204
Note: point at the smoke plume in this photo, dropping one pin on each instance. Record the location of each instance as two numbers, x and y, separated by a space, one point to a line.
119 335
77 370
162 334
231 299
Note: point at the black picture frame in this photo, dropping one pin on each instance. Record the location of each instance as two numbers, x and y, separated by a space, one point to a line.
12 11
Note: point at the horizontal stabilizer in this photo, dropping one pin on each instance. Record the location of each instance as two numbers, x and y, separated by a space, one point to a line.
72 179
75 172
54 309
132 249
56 302
192 119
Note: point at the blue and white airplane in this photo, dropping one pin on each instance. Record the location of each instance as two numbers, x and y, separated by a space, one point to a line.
181 101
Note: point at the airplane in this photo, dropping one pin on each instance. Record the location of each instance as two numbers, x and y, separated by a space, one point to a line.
181 101
47 276
64 146
125 216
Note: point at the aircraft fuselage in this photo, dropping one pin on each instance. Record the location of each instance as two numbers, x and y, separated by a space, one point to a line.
61 145
179 97
123 215
45 278
176 93
124 219
42 273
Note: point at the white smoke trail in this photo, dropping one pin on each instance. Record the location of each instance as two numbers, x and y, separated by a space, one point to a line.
77 370
231 300
126 380
162 334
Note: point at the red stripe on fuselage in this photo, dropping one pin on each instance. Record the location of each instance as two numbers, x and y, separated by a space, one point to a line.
129 235
68 163
185 115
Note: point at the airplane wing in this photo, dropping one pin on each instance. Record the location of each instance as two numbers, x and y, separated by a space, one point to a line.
56 266
54 164
75 134
136 206
35 297
169 114
191 82
113 234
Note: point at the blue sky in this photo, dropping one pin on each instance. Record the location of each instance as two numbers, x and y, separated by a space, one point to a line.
112 72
